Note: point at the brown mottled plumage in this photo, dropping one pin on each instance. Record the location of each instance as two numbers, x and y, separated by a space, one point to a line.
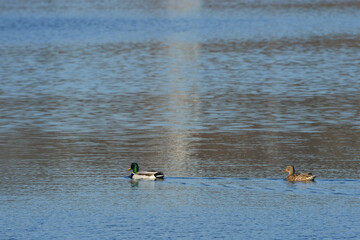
298 176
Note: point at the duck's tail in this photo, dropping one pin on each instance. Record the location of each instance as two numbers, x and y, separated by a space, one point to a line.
311 177
159 175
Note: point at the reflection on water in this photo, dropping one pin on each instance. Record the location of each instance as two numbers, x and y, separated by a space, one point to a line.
219 95
183 103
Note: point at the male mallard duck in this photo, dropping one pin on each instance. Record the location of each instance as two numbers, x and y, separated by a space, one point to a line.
150 175
298 176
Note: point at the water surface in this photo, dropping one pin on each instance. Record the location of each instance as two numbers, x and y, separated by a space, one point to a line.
220 96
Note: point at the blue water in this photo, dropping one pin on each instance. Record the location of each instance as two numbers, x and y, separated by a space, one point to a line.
224 208
219 95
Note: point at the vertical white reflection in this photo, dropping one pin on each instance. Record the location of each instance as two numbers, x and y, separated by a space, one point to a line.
182 88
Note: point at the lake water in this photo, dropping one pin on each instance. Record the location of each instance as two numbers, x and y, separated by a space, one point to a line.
219 95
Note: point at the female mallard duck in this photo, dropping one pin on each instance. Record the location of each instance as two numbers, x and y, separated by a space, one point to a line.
149 175
298 176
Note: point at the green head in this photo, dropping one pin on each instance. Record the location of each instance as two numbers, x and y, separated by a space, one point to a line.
134 167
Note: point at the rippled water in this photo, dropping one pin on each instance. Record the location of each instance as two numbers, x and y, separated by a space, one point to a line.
224 208
219 95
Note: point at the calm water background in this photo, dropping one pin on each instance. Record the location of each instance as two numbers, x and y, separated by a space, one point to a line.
220 95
